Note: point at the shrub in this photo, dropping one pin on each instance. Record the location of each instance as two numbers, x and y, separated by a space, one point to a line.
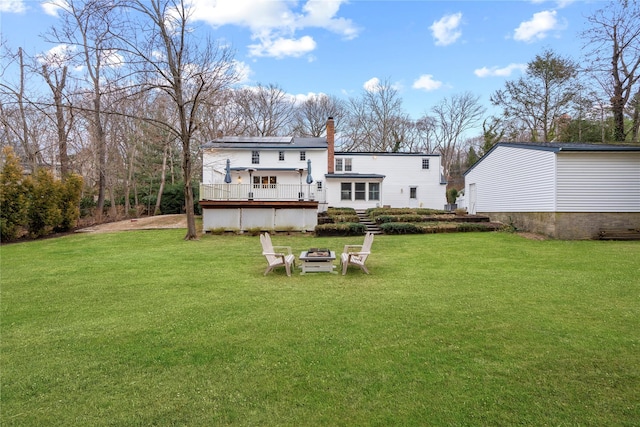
400 228
341 229
254 231
342 215
452 195
70 193
87 205
341 211
429 212
345 218
14 200
173 199
218 231
44 208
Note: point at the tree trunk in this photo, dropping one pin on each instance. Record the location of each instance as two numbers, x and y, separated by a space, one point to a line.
635 127
162 180
28 151
188 194
101 152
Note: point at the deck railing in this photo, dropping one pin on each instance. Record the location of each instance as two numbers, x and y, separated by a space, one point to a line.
267 192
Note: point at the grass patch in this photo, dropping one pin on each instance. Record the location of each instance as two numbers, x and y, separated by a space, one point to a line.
143 328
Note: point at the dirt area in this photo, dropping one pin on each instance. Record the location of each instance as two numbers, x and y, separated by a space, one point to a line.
532 236
146 223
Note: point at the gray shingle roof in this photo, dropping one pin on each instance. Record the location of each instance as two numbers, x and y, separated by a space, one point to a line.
266 142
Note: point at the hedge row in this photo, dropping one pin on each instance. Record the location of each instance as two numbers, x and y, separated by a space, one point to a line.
38 204
437 227
338 215
341 229
374 212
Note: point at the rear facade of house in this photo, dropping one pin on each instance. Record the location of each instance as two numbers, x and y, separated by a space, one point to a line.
283 182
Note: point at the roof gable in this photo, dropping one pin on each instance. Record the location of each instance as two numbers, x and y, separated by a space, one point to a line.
557 147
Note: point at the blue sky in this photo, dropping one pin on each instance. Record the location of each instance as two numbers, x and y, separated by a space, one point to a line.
427 49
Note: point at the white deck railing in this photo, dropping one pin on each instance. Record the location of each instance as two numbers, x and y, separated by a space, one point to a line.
268 192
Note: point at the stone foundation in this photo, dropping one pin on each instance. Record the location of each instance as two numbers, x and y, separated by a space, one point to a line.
566 225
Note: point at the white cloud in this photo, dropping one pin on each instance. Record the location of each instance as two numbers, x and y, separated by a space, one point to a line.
12 6
276 22
427 82
538 27
57 56
301 98
500 72
446 30
283 47
112 58
52 7
243 70
559 3
372 85
321 13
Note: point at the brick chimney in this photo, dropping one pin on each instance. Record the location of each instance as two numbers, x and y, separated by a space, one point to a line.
331 134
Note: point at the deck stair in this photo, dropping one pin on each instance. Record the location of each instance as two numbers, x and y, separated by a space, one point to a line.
372 227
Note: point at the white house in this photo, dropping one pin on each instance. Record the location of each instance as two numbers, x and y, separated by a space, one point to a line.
283 182
567 191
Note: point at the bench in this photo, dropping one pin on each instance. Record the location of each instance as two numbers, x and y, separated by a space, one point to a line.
619 234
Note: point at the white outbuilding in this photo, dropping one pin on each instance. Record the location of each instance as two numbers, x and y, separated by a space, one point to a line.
566 191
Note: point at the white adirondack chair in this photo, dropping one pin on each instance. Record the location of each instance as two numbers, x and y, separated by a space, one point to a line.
276 259
357 254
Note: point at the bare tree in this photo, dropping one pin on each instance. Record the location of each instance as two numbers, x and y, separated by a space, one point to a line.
377 121
222 116
56 78
188 70
541 97
87 29
17 113
454 117
312 114
613 52
267 110
426 127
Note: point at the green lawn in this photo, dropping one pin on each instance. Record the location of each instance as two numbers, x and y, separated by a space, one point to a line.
143 328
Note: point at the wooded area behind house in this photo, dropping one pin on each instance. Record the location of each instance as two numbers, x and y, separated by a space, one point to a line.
127 94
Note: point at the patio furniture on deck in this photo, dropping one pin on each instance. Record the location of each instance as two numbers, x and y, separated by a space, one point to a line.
357 254
276 259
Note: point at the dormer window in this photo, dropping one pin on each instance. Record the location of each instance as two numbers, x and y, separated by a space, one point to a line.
281 156
338 165
425 163
303 156
255 157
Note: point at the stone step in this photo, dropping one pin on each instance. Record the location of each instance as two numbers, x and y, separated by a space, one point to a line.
372 227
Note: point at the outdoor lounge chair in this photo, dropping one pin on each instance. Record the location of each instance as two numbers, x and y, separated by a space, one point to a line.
356 254
276 259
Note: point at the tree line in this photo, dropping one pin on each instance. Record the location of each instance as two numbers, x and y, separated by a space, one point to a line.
129 92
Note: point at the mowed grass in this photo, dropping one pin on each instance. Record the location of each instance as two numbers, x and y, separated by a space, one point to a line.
142 328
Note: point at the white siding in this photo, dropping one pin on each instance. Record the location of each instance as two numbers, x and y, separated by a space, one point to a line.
512 179
598 182
214 163
401 172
